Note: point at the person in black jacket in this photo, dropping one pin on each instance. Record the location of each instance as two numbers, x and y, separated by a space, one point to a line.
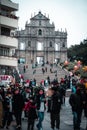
55 108
18 105
77 101
7 106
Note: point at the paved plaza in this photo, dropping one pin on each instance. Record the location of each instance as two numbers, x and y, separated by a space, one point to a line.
66 118
66 122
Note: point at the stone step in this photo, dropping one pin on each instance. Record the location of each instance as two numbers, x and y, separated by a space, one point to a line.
39 75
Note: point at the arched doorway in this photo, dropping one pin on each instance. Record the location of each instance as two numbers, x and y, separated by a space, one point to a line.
40 60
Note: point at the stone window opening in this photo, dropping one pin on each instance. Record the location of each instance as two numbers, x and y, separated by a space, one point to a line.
39 32
50 44
56 47
22 46
63 45
29 43
40 23
39 46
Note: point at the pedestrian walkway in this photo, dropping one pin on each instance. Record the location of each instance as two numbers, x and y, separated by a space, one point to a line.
66 120
39 75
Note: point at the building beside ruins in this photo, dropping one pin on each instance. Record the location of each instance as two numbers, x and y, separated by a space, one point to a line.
8 43
39 42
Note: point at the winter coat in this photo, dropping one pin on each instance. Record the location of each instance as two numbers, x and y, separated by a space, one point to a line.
31 109
39 99
56 102
76 102
6 104
18 102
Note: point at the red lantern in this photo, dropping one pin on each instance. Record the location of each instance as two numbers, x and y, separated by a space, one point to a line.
66 62
75 67
79 62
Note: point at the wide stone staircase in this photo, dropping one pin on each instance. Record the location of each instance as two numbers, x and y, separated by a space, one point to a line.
38 75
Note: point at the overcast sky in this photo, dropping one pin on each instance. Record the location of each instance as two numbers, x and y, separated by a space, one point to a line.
69 14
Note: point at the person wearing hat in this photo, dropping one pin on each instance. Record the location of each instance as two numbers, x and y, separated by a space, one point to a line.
55 108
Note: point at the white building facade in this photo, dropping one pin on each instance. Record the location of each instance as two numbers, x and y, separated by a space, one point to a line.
39 42
8 43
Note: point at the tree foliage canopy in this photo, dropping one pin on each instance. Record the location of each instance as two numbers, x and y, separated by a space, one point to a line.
78 52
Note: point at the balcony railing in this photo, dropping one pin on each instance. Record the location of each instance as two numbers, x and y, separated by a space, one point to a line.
9 15
8 41
15 56
9 61
9 22
8 3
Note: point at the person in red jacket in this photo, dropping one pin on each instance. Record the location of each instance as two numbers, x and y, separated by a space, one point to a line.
31 110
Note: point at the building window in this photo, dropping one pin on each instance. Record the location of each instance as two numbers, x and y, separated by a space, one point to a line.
40 32
40 15
29 43
4 51
56 47
39 23
39 46
63 45
5 31
13 52
50 44
21 60
22 46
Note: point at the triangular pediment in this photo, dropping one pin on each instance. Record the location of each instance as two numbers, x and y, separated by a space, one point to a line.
39 16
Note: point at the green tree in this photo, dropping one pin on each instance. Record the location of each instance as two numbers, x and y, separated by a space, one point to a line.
78 52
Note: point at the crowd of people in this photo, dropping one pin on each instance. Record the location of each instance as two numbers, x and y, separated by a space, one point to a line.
33 101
